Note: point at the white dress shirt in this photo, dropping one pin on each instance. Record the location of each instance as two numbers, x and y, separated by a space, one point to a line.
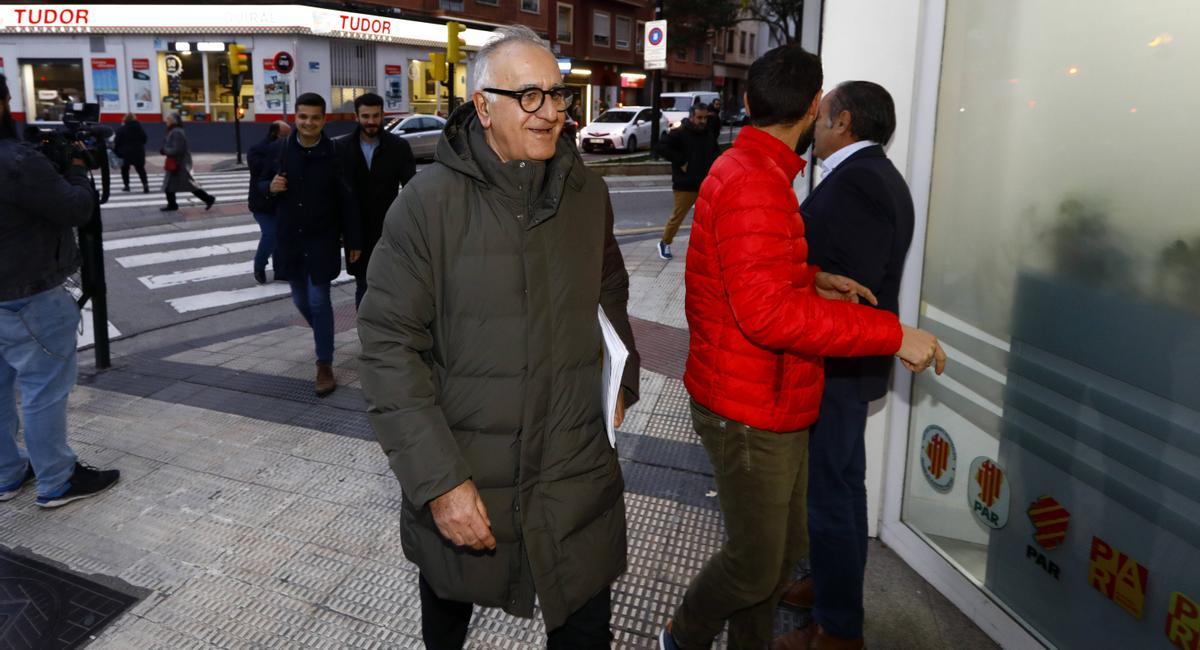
838 157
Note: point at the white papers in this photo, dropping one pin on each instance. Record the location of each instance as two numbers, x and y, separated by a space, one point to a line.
615 354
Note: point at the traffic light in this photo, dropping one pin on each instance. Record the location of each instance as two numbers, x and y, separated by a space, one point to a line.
239 59
437 61
455 43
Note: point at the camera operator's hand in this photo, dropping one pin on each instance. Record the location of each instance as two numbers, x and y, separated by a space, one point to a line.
80 159
279 183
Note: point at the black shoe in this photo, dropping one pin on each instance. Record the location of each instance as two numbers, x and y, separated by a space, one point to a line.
10 492
209 203
145 190
279 277
170 208
260 276
125 189
85 482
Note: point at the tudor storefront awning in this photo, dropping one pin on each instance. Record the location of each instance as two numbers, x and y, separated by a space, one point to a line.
225 19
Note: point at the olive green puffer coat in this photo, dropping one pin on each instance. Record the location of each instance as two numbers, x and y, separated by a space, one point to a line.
481 359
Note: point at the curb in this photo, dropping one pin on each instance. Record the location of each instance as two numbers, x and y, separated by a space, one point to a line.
627 232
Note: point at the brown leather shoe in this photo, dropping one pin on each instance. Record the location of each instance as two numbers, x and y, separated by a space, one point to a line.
798 639
325 380
814 638
798 595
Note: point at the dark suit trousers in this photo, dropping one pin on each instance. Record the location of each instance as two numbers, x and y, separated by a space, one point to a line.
444 623
837 508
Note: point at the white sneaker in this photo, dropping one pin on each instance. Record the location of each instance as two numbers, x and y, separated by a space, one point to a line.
664 251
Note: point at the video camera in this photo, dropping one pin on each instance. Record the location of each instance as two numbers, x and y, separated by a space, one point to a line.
81 137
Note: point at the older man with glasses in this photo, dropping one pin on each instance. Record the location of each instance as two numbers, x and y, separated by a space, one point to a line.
481 362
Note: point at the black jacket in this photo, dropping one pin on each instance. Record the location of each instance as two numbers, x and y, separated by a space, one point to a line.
686 146
392 165
257 159
130 143
859 223
316 214
39 211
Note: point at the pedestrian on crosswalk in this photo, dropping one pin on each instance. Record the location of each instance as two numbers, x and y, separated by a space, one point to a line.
178 166
260 203
376 163
316 213
130 147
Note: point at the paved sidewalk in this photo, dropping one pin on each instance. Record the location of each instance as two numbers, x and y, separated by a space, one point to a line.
251 514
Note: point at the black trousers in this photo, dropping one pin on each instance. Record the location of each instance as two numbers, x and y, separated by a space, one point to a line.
837 508
141 171
444 623
200 194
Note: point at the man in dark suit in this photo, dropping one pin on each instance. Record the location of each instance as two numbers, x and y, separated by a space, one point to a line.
859 223
376 164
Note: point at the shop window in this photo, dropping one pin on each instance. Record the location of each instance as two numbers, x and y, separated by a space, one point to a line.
352 74
220 93
566 23
1056 462
640 43
531 6
49 85
600 28
624 31
181 74
431 97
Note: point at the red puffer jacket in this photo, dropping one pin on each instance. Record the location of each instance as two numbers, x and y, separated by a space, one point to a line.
759 330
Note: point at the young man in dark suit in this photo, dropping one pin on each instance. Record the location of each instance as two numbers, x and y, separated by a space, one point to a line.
859 223
376 163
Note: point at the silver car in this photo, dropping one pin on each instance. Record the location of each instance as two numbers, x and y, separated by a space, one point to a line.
422 133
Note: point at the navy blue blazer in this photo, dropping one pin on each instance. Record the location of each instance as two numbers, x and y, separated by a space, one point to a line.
859 223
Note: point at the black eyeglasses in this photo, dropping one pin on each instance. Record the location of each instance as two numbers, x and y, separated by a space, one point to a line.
531 99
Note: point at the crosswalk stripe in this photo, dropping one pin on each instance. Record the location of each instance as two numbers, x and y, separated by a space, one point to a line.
235 296
146 259
172 237
198 275
183 200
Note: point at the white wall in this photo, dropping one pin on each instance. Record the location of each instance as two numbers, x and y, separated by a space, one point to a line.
876 40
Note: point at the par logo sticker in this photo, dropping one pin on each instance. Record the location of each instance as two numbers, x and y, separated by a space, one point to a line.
989 494
1050 521
1183 622
1119 577
938 458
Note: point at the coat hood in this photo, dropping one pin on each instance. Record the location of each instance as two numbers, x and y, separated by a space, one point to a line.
541 184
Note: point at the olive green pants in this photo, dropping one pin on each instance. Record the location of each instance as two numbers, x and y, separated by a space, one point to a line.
762 481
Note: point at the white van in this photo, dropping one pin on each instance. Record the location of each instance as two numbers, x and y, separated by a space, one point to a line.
675 106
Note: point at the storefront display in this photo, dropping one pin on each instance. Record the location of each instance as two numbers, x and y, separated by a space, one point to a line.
50 84
1064 286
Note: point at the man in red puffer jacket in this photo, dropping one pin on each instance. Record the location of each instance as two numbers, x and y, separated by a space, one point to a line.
762 321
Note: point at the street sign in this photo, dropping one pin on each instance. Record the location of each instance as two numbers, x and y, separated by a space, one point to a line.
656 45
284 62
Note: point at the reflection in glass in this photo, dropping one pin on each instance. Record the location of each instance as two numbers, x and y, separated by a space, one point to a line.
1062 271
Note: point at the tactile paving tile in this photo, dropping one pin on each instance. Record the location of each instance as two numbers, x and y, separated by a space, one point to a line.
204 541
674 400
381 594
251 505
330 630
313 573
360 531
158 572
672 427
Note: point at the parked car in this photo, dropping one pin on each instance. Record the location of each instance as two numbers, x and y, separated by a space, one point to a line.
422 133
736 118
625 128
570 128
675 106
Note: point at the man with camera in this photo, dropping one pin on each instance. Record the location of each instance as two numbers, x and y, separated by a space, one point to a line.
39 211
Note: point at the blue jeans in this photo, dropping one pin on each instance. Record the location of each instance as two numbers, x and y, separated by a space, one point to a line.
37 356
313 302
266 243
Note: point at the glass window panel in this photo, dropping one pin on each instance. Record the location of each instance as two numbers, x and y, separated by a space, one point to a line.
600 28
1058 460
624 29
566 24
